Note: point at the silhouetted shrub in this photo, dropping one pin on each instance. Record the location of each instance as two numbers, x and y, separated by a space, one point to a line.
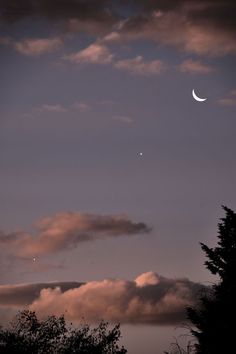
28 335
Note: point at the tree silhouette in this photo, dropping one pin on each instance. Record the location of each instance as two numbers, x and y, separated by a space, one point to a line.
176 348
215 315
28 335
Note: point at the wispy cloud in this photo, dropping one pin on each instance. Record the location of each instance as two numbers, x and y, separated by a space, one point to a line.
138 66
148 299
53 108
66 230
38 46
81 106
230 100
96 53
195 67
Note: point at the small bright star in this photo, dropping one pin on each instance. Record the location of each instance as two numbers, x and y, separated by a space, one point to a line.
140 154
34 259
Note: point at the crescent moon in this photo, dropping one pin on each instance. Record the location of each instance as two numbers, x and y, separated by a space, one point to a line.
199 99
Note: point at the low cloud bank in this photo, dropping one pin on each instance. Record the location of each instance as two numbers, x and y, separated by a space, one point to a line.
149 299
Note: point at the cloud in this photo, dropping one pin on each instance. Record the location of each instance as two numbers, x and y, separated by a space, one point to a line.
138 66
230 100
54 10
149 299
96 53
24 294
112 37
148 278
59 108
199 27
89 26
195 67
56 108
67 230
81 106
38 46
180 29
123 119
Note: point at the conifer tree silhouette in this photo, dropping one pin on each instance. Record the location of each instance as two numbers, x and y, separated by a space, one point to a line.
215 315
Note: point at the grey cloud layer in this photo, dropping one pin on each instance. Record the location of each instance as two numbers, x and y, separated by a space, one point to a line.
12 10
202 27
149 298
66 230
214 11
25 294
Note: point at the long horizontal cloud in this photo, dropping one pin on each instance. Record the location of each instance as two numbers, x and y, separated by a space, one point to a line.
229 100
195 67
25 294
203 27
66 230
149 298
38 46
138 66
33 46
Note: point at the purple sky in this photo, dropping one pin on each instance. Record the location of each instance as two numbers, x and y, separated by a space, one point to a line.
85 88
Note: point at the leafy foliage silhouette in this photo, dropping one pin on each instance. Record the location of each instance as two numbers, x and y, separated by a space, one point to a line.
28 335
214 317
176 348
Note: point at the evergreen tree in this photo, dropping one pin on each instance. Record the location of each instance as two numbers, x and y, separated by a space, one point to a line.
215 315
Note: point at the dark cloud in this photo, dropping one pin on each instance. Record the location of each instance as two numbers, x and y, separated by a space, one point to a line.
149 299
218 12
212 13
67 230
203 27
197 27
14 10
25 294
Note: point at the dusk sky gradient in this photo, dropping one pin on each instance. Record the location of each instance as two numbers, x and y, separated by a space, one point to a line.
86 86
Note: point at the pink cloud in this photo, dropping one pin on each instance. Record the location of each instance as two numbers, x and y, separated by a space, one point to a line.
53 108
150 298
123 119
96 53
81 106
230 100
138 66
195 67
66 230
38 46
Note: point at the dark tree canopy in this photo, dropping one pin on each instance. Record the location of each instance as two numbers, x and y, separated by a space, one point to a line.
214 318
28 335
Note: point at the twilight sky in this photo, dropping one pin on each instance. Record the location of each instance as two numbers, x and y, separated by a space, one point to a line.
111 173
